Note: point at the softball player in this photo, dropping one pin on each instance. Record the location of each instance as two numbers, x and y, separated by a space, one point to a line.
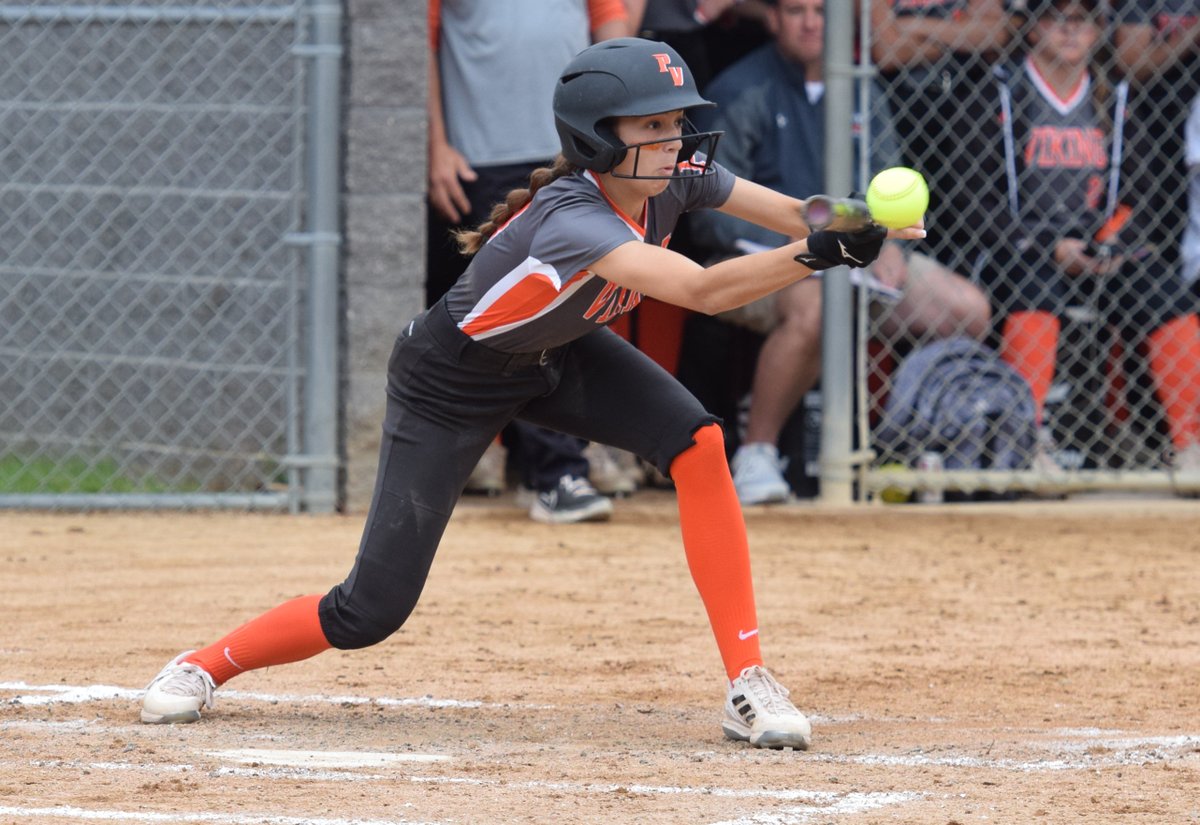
522 334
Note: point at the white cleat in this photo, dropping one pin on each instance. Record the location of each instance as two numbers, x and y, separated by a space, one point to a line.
758 711
177 693
758 474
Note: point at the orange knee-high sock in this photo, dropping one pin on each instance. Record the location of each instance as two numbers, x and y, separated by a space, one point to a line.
1174 355
718 554
287 633
1031 348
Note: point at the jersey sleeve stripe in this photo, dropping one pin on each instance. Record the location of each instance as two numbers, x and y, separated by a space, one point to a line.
527 292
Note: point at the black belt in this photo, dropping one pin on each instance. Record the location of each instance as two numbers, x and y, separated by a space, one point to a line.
468 350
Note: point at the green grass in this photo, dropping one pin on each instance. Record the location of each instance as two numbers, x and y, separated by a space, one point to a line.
72 475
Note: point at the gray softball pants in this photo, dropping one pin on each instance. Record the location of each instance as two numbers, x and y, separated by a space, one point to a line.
447 399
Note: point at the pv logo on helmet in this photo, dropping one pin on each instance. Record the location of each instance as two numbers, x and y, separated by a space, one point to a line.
664 65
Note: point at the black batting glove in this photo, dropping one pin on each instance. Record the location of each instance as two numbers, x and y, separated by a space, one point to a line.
829 249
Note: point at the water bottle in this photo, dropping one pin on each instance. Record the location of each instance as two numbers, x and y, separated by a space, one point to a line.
812 434
931 462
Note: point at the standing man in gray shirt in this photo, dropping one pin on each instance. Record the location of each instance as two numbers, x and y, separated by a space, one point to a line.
492 73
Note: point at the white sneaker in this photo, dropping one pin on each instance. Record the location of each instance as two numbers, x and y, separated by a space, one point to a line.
1187 460
653 477
1185 471
758 711
572 500
488 475
758 474
177 693
631 466
1045 454
605 473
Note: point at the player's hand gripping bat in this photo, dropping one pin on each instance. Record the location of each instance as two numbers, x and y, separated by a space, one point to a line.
822 212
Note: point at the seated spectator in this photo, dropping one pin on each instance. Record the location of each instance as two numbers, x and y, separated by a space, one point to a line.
770 108
1157 45
491 78
934 58
683 24
1054 241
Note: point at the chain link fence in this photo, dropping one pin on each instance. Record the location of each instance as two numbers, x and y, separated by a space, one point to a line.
1052 137
152 183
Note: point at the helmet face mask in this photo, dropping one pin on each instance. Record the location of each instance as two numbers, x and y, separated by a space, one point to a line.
627 77
694 156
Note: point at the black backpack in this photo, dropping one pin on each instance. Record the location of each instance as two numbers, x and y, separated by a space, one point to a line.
956 397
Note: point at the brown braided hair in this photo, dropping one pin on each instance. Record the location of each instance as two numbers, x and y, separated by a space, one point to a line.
471 240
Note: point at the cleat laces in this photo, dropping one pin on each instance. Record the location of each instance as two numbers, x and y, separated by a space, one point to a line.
185 679
771 696
577 486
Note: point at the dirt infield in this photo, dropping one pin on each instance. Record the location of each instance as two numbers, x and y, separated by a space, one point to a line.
982 663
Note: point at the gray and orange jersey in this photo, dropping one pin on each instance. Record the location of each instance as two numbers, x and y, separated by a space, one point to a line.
530 287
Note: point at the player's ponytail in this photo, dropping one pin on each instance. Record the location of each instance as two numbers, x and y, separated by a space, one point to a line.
471 240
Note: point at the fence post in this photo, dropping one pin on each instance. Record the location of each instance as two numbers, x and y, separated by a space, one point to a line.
837 412
322 381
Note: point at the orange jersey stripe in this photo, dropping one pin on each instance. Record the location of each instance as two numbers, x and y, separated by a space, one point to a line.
518 298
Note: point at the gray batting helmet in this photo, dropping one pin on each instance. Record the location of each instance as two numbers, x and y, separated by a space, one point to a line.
623 77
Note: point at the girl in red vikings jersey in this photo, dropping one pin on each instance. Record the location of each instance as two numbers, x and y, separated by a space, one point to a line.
522 334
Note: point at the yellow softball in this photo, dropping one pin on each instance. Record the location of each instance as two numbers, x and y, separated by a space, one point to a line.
897 197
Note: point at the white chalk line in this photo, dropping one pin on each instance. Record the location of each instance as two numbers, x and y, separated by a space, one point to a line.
1119 749
782 795
825 802
34 695
1083 755
75 694
821 804
323 759
1146 752
1078 749
818 805
849 805
72 812
289 774
1092 751
1123 752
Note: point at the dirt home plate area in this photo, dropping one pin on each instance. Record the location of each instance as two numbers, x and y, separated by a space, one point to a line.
1010 663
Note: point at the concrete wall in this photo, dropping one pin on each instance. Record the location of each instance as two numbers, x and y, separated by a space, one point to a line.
383 210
